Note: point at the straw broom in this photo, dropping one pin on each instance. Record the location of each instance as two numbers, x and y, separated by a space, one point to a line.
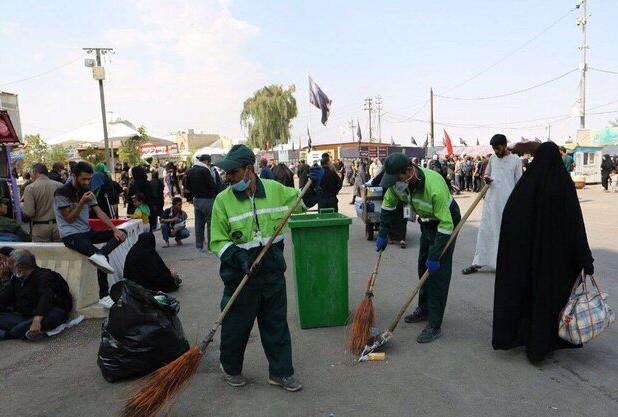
386 335
359 331
165 383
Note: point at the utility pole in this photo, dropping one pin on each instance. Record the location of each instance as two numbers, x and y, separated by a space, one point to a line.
351 125
431 114
583 21
98 73
379 109
369 108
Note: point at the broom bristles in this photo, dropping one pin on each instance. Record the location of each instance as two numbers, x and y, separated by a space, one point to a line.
162 385
360 328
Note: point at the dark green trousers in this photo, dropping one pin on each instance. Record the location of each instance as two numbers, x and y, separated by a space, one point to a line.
264 298
433 295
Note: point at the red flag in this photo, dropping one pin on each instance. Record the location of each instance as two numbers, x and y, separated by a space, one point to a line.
448 143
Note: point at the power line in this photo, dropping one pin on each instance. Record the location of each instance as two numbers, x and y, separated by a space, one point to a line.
605 71
504 58
556 118
605 112
512 93
41 73
603 105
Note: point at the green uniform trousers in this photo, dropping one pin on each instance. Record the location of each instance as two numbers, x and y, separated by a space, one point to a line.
433 295
264 298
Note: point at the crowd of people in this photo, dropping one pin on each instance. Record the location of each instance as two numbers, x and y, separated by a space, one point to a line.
237 204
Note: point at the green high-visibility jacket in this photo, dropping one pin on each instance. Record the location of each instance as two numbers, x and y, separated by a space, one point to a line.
431 200
241 225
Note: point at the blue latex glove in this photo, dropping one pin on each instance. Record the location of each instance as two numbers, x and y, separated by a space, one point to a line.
432 266
381 243
316 173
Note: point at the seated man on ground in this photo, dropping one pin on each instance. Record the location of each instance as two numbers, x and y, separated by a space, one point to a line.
142 211
72 202
174 223
145 267
35 301
10 229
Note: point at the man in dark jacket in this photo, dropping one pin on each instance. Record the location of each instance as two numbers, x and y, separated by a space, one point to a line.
331 185
203 182
38 299
607 166
303 173
265 170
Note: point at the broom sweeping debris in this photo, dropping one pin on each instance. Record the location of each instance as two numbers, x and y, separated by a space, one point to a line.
164 384
385 336
359 331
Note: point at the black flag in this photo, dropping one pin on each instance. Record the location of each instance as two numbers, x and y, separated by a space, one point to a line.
319 100
537 140
392 141
462 142
426 141
309 140
413 141
477 142
358 132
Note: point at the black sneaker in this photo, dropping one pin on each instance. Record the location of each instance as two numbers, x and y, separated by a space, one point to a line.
288 383
429 334
233 380
417 316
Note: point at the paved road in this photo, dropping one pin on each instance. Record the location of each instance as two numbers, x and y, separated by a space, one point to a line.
459 375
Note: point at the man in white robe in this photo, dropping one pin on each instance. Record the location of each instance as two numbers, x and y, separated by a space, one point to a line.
502 173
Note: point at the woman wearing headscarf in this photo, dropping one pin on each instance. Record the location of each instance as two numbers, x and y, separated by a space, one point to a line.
542 250
145 267
103 188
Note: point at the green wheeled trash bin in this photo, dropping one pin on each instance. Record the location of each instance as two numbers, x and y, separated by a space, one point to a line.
321 267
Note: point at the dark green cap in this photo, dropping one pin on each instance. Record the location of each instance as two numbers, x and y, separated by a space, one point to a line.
239 156
394 165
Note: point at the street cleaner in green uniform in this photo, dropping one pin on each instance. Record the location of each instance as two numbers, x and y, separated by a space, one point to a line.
425 193
244 217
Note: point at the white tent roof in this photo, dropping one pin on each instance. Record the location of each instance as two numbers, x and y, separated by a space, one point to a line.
91 134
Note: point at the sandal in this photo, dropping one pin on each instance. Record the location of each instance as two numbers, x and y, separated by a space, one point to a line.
470 270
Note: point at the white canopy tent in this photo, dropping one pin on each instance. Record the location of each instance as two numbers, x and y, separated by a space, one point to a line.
91 134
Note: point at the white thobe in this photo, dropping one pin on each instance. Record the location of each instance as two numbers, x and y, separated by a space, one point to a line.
505 172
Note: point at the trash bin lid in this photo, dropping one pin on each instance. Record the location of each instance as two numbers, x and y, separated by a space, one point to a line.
318 220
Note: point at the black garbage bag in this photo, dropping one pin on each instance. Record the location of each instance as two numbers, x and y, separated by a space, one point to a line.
141 334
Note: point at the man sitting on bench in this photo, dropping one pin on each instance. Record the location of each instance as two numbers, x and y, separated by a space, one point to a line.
72 203
35 301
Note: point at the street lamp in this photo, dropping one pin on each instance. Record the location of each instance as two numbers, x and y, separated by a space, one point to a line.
98 73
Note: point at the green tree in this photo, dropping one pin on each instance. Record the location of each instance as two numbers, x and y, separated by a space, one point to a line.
267 116
129 151
613 123
56 153
35 150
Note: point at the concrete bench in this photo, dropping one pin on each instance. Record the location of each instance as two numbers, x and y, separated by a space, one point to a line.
79 274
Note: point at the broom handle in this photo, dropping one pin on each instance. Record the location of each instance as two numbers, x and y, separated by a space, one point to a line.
284 221
374 274
416 289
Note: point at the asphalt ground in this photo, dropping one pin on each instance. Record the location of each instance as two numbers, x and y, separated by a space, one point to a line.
457 375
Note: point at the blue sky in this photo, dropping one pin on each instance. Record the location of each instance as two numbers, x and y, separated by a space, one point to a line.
191 64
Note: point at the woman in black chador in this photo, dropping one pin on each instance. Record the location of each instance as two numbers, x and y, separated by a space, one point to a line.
543 248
